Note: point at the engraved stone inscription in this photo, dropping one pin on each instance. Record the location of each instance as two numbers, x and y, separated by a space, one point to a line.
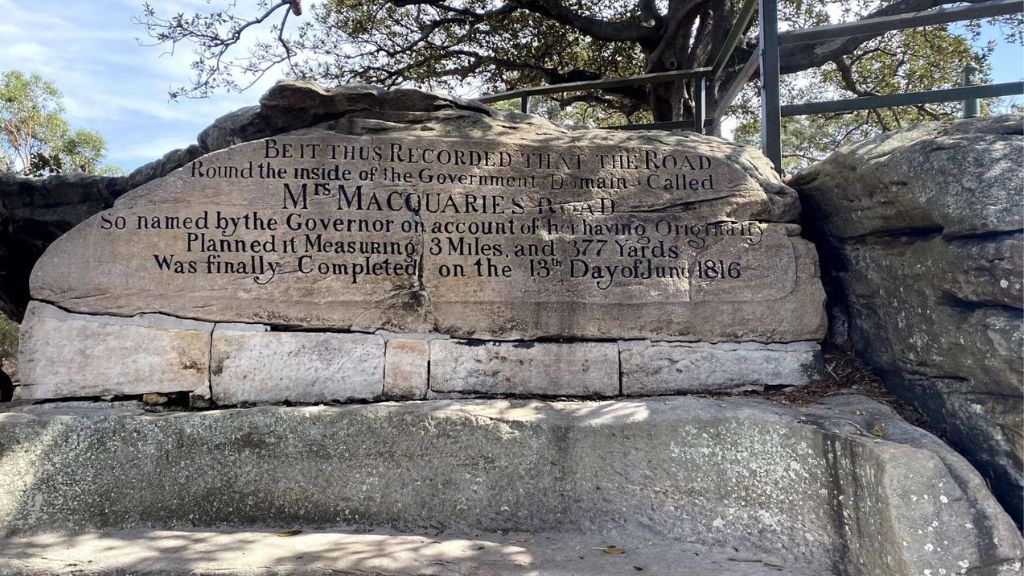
475 237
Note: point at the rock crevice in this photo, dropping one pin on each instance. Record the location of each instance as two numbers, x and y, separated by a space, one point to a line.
922 255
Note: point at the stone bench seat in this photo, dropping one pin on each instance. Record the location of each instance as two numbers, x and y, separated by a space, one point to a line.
844 487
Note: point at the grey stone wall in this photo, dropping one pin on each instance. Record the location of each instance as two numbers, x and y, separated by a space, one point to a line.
919 233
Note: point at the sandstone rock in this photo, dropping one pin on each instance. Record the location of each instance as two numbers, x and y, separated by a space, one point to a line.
364 210
677 368
33 213
911 320
960 181
984 270
920 232
168 163
339 552
525 368
292 105
290 97
74 355
804 487
406 369
260 367
543 254
242 125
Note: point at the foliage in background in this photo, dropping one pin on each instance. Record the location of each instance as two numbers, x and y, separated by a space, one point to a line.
8 341
35 139
899 62
480 46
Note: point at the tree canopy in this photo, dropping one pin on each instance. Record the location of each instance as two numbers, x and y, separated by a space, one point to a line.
496 45
36 140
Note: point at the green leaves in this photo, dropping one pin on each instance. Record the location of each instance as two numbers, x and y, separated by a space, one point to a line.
898 62
472 47
36 140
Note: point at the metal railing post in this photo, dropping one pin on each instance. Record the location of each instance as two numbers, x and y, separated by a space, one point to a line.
767 60
698 104
771 115
970 78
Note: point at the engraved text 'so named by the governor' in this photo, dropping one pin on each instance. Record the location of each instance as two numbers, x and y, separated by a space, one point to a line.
529 237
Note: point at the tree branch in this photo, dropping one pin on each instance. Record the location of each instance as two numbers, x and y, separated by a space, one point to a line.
650 13
798 57
850 83
215 45
594 27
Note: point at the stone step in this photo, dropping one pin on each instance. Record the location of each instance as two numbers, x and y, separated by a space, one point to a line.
842 486
381 553
67 355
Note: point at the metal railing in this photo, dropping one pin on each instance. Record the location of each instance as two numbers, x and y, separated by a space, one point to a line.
772 112
699 76
766 60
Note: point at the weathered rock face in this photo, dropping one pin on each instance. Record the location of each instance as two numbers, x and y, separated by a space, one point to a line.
464 223
414 214
65 354
808 489
34 213
920 233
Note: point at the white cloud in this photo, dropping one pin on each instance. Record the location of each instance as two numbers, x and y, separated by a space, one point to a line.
110 82
32 54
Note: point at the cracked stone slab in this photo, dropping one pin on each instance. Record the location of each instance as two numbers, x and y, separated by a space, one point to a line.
457 220
679 367
406 369
63 354
524 368
260 367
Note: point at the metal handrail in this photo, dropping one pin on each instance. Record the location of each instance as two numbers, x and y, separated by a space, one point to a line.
766 59
746 14
772 111
942 15
653 78
905 99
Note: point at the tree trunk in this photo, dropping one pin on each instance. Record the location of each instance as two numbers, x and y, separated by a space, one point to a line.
667 98
667 101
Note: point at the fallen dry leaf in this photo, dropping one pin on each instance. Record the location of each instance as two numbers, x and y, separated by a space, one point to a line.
154 399
288 533
612 550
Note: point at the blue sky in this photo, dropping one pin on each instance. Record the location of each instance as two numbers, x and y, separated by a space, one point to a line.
110 83
115 86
